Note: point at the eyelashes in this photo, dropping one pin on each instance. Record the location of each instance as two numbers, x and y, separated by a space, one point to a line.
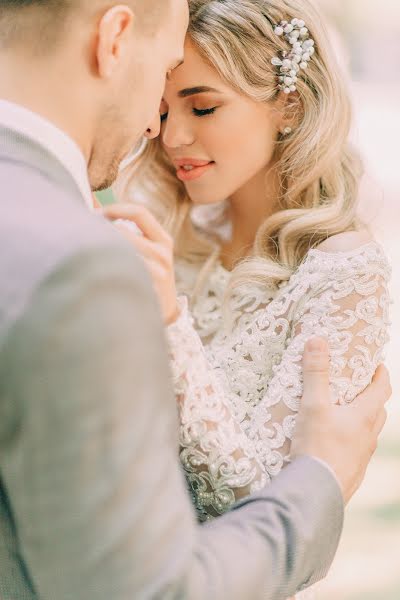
203 113
196 112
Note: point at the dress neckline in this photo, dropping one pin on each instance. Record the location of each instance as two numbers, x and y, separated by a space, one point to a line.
317 251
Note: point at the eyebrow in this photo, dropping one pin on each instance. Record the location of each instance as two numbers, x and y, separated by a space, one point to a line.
201 89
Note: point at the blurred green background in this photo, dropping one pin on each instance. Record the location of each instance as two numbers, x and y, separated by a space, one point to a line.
366 35
106 197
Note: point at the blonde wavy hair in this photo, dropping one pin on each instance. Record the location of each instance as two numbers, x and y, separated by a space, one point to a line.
319 173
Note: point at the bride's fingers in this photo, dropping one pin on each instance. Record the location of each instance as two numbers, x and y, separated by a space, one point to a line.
155 271
147 248
143 218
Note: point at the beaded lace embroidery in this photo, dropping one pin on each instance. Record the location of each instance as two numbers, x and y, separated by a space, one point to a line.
238 391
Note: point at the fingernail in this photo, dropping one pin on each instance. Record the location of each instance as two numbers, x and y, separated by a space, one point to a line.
316 345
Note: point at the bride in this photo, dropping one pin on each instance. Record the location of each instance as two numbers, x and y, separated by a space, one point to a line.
254 180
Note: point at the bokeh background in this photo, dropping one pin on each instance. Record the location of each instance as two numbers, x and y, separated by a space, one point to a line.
366 34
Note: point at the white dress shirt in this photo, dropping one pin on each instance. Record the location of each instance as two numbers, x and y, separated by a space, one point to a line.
53 139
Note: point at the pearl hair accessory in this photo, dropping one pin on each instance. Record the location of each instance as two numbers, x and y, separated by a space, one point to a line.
290 63
287 131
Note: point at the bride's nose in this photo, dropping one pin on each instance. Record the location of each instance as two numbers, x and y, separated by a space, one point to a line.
176 133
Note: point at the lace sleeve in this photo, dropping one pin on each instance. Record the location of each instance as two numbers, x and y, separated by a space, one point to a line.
344 298
217 456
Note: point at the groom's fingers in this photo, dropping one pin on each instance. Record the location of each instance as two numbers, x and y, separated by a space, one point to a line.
374 398
380 422
316 374
143 218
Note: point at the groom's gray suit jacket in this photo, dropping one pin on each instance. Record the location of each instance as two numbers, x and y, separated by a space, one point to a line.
93 504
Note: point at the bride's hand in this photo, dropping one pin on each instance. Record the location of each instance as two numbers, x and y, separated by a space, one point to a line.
156 247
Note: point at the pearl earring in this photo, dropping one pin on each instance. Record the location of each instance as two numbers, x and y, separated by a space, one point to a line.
286 131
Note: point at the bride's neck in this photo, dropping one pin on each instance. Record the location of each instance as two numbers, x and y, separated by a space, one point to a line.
248 208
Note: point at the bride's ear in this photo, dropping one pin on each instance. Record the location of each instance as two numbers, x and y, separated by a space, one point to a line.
289 108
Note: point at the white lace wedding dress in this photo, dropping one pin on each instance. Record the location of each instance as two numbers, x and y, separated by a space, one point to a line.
238 388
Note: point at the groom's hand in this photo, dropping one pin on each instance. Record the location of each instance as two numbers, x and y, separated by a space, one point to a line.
343 436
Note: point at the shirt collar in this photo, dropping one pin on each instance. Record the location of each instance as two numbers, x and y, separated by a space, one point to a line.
58 143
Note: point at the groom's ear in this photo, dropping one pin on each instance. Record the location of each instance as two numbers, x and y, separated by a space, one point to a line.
120 25
115 35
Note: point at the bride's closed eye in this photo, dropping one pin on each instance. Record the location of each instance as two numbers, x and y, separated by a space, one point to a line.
196 112
204 112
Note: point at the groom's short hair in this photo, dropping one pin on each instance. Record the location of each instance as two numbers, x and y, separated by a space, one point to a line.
41 23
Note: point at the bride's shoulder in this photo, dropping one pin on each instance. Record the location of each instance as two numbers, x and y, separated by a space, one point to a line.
346 241
346 253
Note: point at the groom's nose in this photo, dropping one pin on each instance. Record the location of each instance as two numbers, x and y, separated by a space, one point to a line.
153 130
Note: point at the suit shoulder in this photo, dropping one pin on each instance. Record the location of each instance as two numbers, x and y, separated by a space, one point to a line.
42 227
42 222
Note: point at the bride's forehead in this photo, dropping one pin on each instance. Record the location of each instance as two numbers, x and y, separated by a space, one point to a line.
194 58
194 72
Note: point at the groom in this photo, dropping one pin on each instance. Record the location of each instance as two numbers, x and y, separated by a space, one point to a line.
92 500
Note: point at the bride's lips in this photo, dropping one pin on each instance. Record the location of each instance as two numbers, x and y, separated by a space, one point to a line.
194 168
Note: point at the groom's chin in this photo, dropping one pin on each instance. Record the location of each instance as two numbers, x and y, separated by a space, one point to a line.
104 185
103 178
